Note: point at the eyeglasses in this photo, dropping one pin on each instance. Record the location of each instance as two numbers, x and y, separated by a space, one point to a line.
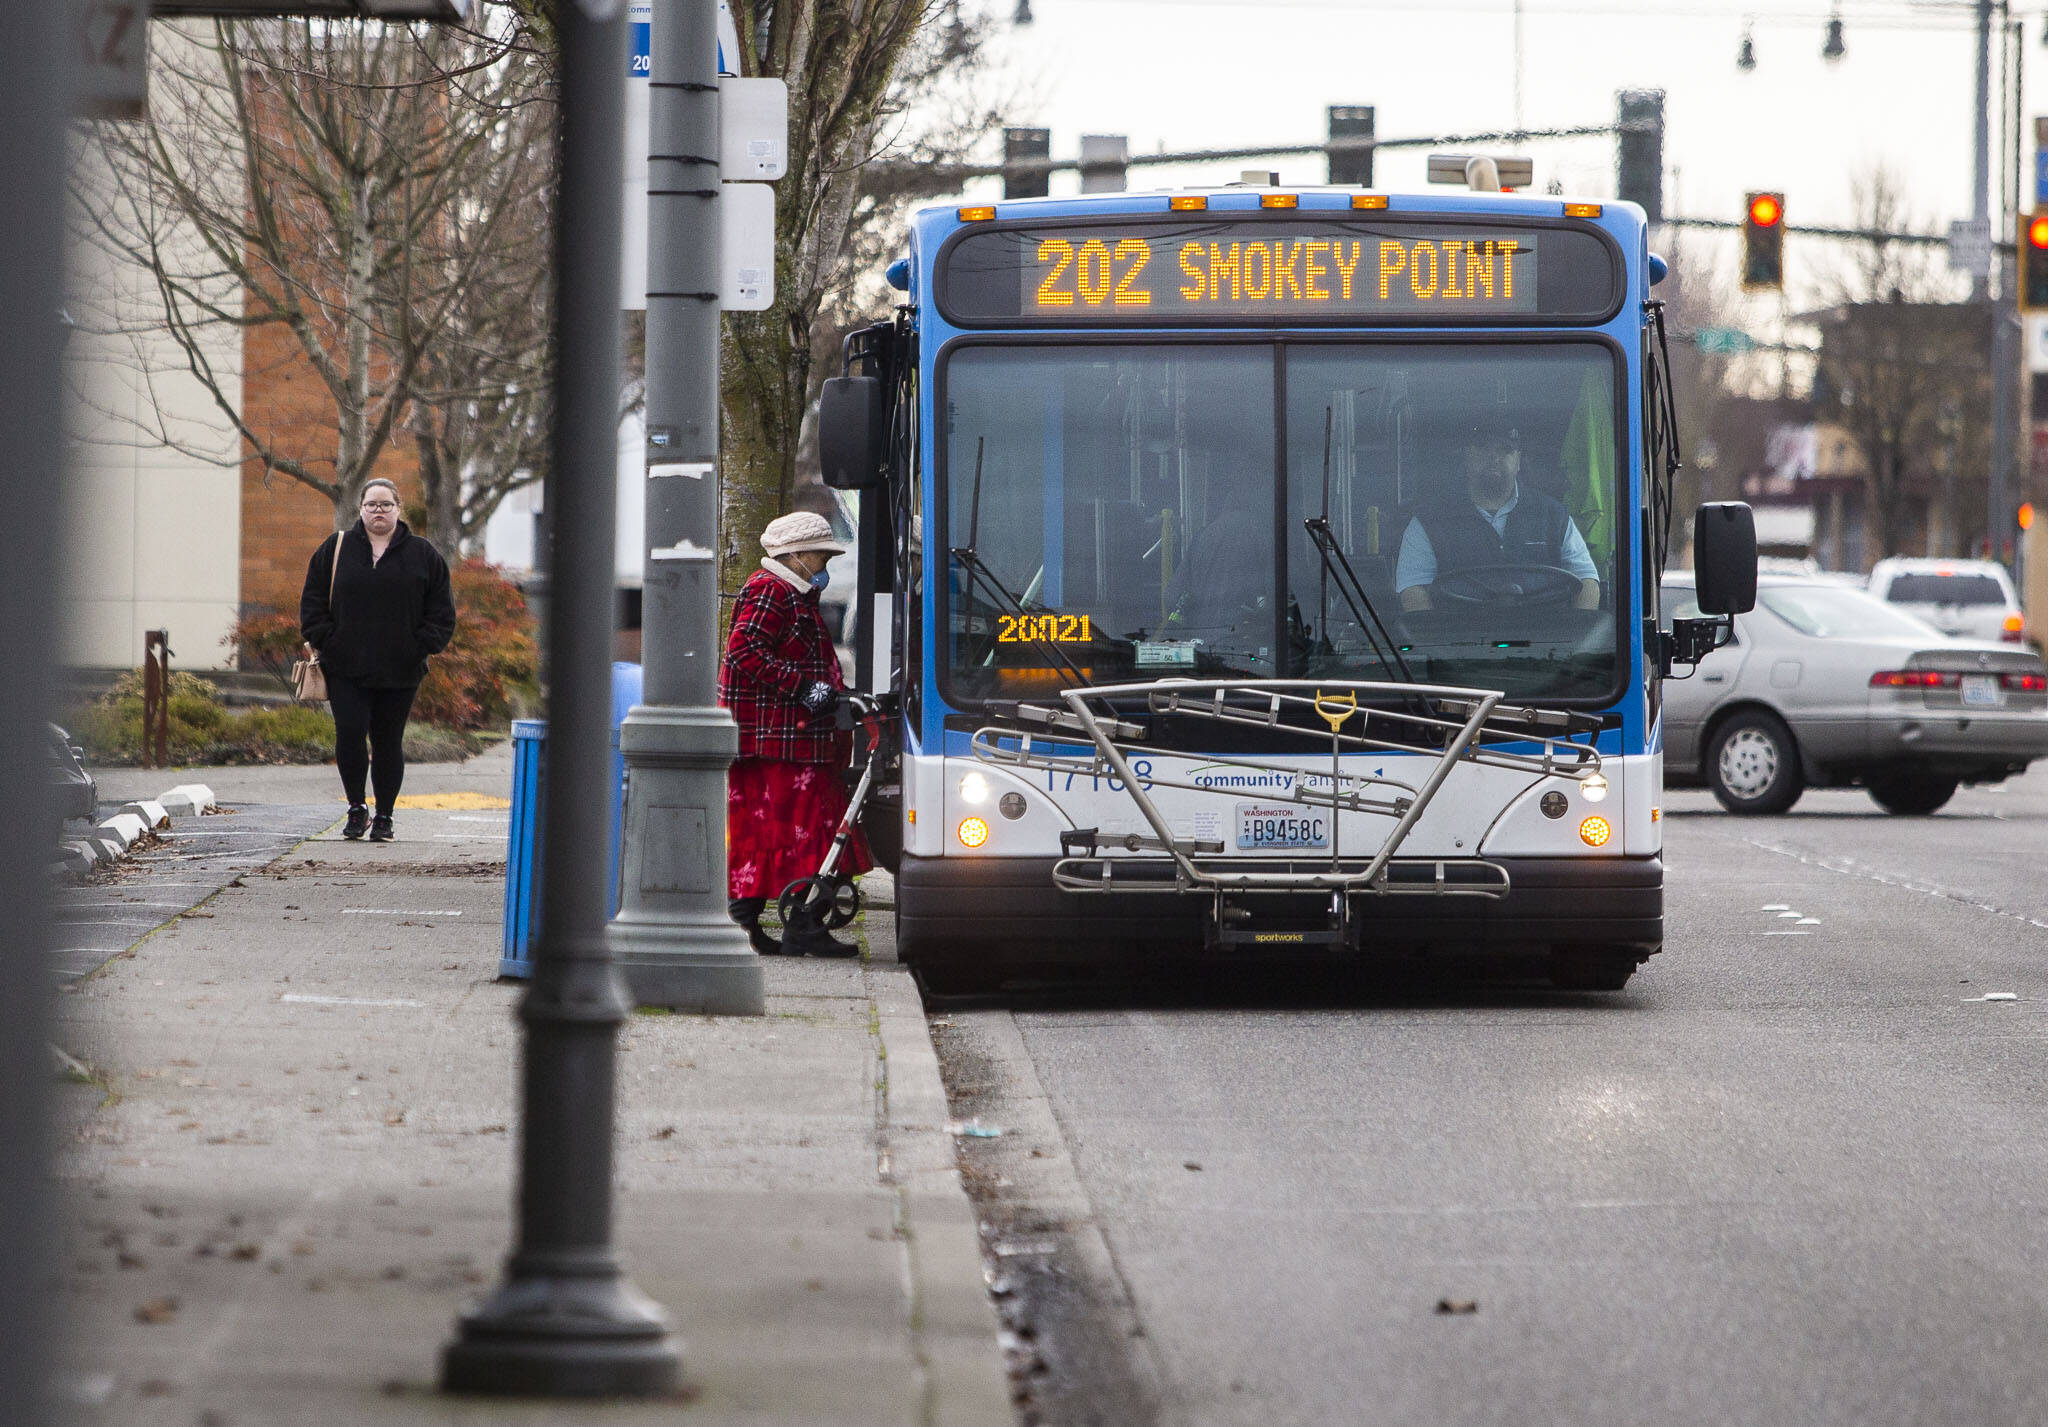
380 505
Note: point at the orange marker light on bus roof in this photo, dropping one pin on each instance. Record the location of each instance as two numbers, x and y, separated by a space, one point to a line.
1765 210
1278 200
1187 203
1582 210
1368 200
1594 832
980 214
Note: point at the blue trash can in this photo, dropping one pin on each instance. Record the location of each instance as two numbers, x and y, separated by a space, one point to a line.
529 797
626 686
522 854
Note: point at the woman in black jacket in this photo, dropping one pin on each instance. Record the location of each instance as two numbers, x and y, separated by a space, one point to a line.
375 617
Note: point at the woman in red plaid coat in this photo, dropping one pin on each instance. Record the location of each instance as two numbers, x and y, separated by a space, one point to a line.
781 680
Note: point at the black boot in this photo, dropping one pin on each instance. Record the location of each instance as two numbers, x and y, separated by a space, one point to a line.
804 935
747 912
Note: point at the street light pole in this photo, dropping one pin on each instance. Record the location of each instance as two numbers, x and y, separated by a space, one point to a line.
35 104
674 939
565 1322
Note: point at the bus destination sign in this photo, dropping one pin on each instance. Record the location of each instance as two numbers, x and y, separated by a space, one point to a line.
1270 273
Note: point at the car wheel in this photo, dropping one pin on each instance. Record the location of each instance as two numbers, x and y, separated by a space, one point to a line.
1910 794
1753 764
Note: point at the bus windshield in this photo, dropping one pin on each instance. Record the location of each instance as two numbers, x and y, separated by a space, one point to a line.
1445 511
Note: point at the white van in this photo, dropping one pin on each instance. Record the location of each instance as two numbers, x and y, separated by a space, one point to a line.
1971 598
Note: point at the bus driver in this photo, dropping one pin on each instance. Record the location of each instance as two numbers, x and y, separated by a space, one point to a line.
1496 523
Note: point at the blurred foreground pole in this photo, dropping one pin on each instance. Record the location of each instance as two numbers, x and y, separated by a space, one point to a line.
565 1322
676 944
34 111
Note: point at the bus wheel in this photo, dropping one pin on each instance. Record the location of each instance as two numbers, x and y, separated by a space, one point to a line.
1910 794
1592 968
1753 764
957 971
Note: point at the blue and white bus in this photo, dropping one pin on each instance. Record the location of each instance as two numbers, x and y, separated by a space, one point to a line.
1266 569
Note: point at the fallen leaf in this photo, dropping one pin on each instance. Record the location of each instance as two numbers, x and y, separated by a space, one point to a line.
157 1310
666 1132
1457 1305
246 1252
1190 1164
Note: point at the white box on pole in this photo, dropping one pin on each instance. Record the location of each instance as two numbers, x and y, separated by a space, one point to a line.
746 235
753 129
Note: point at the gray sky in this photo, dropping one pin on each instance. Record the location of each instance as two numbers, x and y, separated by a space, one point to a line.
1184 74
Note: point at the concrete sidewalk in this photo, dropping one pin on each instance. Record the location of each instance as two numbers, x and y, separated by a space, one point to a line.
292 1162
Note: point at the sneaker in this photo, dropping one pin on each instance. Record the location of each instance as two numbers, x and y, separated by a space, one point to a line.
358 822
380 829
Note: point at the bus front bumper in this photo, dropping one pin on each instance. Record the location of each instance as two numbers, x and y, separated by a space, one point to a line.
949 902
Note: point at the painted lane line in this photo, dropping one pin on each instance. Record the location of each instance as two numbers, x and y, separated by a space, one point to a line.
1849 867
475 818
299 1000
1807 922
1785 933
1784 916
1995 996
1776 907
396 912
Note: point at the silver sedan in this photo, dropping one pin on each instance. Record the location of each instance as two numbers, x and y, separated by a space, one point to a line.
1827 686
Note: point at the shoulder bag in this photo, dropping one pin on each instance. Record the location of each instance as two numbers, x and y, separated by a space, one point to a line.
309 680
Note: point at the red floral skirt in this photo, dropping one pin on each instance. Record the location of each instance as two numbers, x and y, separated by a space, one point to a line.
780 821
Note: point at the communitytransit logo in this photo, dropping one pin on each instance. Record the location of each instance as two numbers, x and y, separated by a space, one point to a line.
1232 778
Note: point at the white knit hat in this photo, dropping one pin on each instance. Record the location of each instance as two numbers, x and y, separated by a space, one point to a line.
800 530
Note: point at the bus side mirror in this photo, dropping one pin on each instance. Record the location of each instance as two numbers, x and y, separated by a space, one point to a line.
851 437
1724 557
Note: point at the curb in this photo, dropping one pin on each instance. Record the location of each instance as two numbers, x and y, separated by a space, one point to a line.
109 838
953 1322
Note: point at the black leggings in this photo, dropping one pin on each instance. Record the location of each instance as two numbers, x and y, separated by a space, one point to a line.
378 716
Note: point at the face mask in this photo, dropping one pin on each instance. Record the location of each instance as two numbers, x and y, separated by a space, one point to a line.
821 579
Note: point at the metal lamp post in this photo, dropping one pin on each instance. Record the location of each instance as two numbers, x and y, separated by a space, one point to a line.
675 942
566 1322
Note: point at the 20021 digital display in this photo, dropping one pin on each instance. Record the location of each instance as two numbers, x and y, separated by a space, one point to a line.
1298 271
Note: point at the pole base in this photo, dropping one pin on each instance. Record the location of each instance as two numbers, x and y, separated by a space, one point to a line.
688 964
563 1337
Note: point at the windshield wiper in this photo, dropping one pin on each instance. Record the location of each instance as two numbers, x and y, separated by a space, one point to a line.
1384 647
978 573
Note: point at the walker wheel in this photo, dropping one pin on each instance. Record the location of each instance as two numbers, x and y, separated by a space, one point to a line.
833 902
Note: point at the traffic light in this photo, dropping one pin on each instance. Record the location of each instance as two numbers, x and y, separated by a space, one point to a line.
2025 515
1639 154
1103 160
1763 241
1349 123
1026 146
2034 265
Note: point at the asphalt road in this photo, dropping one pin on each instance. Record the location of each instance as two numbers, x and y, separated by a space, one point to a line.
1794 1174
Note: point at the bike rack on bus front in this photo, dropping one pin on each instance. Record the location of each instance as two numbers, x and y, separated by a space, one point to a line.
1450 722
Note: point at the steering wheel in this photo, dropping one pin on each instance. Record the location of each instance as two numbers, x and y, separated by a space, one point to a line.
1500 584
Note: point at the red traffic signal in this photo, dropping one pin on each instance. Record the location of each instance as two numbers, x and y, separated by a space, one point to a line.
1763 241
2033 291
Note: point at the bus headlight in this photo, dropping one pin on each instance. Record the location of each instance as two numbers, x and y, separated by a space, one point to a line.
973 832
1593 788
974 789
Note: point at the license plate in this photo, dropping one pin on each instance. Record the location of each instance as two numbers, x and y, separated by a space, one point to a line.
1980 690
1260 828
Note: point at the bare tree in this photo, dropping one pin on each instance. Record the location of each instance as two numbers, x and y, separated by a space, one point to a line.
1903 368
370 209
855 70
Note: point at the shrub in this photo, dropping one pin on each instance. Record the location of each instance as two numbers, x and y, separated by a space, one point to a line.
492 659
470 685
202 729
